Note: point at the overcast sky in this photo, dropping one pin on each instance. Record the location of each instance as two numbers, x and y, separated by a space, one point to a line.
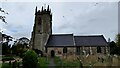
79 18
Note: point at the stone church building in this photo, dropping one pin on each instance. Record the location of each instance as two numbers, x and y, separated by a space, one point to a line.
63 44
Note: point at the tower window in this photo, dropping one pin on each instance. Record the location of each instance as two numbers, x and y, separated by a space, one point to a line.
38 31
39 21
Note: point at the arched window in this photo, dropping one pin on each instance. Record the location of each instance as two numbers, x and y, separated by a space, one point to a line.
98 49
78 50
65 50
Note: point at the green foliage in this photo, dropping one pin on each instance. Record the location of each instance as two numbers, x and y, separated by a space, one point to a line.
43 62
14 49
6 65
118 39
5 48
7 58
18 49
115 47
30 59
112 47
57 61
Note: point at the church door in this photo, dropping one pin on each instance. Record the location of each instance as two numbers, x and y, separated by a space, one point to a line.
52 53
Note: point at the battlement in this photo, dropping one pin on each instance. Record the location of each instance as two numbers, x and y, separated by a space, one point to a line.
43 11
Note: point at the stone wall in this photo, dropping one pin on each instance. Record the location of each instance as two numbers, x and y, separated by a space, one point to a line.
92 50
59 51
1 44
41 30
72 51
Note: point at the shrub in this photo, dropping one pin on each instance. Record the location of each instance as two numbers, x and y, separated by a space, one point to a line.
30 59
6 65
7 58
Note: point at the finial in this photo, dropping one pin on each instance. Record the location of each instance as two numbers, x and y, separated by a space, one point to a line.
48 8
109 39
36 9
42 8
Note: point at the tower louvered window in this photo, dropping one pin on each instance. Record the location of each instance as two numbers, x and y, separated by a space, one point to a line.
39 21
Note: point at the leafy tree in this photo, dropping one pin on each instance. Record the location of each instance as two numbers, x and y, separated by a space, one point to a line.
112 47
30 59
118 40
20 46
14 49
18 49
115 47
118 44
5 48
1 16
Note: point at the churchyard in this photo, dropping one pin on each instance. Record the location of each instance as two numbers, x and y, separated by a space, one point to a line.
90 61
67 61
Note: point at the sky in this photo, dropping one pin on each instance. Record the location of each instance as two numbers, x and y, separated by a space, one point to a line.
79 18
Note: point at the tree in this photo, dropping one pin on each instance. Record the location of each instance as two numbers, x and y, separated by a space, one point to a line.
112 47
30 59
118 40
20 46
5 48
115 46
1 16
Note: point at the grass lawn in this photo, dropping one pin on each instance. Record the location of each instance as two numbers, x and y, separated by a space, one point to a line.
0 65
43 62
5 65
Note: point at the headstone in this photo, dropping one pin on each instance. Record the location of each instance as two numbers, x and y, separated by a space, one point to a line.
9 62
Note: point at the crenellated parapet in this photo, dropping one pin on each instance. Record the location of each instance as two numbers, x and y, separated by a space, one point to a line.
43 11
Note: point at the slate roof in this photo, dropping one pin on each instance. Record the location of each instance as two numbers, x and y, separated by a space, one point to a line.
96 40
60 40
68 40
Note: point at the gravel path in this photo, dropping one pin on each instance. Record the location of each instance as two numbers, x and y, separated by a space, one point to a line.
52 64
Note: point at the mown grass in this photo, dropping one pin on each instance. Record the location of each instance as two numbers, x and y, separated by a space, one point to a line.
0 65
6 65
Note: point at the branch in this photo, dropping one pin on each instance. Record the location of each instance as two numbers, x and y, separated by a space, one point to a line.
3 19
3 11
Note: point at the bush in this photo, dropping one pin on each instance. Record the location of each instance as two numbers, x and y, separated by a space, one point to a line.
6 65
30 59
7 58
43 62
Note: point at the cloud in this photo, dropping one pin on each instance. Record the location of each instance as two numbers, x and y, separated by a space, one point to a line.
90 19
59 0
68 17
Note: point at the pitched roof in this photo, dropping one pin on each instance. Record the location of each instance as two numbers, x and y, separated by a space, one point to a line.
60 40
96 40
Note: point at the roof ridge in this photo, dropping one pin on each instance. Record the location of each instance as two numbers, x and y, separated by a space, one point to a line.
62 34
88 36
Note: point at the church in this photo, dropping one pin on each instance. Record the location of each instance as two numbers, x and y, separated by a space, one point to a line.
63 44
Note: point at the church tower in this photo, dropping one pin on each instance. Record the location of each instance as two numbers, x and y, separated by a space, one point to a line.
42 28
